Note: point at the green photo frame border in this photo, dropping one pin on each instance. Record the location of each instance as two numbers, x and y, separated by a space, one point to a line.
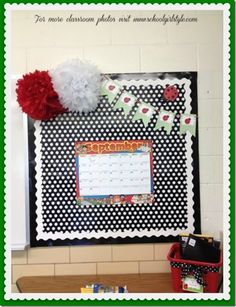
131 302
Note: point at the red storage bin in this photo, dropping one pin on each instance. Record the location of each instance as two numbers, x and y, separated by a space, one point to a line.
210 271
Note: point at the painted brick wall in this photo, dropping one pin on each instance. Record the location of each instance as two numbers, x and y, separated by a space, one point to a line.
127 48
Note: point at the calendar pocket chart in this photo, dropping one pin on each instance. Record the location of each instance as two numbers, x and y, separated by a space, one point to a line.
109 175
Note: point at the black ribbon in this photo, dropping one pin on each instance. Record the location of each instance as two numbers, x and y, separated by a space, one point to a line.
197 271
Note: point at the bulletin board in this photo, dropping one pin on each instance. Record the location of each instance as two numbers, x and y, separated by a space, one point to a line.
69 205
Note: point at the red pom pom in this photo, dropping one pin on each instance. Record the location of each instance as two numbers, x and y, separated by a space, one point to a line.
170 93
37 97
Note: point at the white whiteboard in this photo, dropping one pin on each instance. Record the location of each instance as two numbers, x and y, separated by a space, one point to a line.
17 172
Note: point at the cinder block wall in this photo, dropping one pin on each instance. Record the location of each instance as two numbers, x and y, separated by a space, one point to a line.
129 47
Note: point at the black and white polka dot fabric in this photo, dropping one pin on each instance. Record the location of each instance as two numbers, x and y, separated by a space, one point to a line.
197 271
185 265
60 212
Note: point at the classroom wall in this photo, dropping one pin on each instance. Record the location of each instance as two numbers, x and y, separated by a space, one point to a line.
129 47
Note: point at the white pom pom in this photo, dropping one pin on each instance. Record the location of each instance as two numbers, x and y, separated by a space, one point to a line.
77 84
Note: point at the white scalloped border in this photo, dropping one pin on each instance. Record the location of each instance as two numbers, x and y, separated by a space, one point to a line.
115 234
140 296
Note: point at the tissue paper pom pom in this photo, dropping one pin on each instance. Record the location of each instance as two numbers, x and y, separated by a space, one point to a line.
37 97
77 84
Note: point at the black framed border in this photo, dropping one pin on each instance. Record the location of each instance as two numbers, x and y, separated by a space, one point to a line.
192 76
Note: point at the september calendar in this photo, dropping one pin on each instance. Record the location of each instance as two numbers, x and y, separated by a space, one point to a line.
114 172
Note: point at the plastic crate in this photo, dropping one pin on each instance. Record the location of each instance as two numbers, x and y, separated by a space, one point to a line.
211 277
